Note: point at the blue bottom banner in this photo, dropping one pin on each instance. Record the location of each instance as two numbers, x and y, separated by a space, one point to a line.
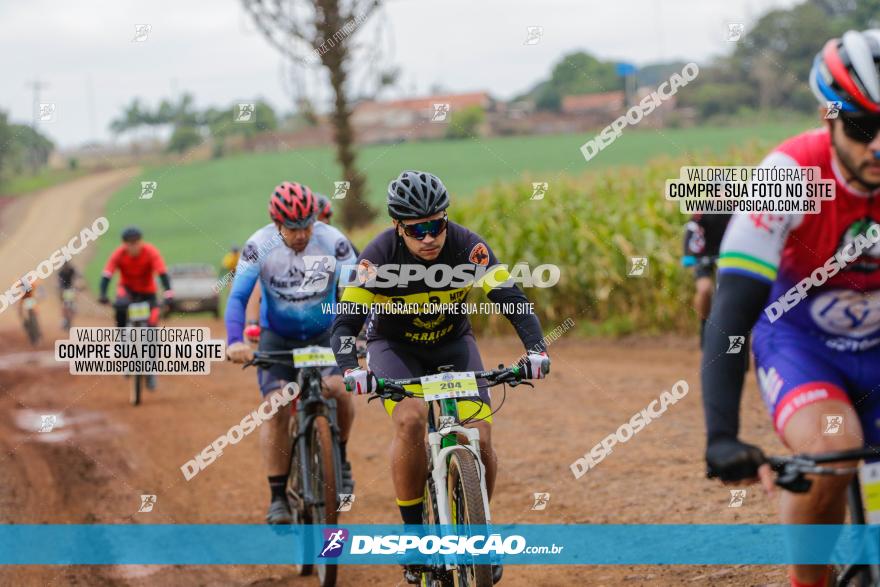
526 544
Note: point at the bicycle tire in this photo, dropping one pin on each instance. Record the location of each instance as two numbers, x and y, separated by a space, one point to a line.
323 481
136 385
859 575
466 508
301 515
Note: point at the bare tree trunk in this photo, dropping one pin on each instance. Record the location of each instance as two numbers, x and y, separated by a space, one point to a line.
355 210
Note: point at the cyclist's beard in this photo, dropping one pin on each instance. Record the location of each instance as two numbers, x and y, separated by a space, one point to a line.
851 167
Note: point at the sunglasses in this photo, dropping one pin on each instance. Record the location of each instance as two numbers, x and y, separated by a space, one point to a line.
422 229
861 129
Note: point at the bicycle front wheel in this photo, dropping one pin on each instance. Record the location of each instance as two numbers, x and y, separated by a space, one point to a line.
323 481
466 509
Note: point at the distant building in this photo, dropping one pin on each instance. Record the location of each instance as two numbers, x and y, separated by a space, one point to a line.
610 103
412 118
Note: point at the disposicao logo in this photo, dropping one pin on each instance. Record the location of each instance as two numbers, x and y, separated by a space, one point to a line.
334 540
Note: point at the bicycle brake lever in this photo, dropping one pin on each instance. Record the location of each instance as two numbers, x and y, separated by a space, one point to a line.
794 481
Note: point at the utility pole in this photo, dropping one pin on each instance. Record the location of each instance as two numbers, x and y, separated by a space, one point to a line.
36 86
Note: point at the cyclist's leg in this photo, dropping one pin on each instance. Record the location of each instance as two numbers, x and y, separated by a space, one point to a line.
465 356
410 417
804 386
335 388
274 436
120 307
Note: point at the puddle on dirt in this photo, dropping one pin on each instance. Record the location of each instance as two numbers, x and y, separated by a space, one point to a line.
50 426
31 359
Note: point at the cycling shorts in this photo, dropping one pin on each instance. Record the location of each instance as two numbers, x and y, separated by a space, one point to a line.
795 370
275 376
395 360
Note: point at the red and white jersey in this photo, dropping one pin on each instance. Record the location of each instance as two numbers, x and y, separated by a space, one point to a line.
840 304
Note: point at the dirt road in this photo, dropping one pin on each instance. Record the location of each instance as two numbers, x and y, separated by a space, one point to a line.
104 454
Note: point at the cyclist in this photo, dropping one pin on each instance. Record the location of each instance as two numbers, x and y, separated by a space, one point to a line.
325 209
821 356
230 259
138 262
67 276
412 345
290 317
702 239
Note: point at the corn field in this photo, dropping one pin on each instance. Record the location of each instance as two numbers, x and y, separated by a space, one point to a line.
591 226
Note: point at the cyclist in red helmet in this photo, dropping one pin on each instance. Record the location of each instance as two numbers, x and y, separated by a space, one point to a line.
291 316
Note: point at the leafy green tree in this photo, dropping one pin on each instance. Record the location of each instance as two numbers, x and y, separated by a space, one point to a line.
465 124
576 73
184 138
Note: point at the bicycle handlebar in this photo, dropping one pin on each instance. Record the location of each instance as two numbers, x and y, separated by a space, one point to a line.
394 389
791 470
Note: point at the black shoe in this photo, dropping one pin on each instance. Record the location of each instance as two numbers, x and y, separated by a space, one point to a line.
279 512
347 478
412 574
497 571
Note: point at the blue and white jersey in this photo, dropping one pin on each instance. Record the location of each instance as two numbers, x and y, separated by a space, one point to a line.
294 285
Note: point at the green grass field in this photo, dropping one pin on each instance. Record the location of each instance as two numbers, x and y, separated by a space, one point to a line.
201 208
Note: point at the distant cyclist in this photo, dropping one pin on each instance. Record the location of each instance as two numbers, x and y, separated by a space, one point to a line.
67 277
230 259
138 263
415 344
702 241
818 355
291 317
325 209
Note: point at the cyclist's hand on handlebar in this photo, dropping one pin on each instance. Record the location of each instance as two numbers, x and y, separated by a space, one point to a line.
240 352
738 463
360 381
535 365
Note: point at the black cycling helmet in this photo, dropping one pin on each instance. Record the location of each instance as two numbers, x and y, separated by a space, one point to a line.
131 234
416 194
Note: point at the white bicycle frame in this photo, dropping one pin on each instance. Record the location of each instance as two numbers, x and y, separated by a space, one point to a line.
439 470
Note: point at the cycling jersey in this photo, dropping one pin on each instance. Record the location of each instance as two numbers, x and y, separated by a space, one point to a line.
135 272
462 249
295 286
822 347
66 275
784 249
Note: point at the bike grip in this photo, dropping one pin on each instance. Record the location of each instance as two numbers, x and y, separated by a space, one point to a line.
348 381
545 365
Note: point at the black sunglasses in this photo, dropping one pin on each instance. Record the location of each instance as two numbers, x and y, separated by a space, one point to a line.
422 229
861 129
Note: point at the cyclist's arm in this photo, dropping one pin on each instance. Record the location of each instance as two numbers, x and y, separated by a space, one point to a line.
109 269
737 306
246 276
515 307
356 303
160 270
252 312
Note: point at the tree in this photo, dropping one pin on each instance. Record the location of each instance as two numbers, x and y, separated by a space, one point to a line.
306 30
465 124
576 73
184 138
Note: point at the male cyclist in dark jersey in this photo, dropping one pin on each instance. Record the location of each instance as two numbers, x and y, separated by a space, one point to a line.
817 351
138 263
416 344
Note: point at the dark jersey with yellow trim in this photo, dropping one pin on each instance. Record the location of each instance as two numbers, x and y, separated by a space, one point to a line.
465 259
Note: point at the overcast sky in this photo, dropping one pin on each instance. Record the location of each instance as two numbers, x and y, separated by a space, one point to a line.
84 51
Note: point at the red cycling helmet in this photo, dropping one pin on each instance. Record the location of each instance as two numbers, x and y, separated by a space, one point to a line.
293 205
325 209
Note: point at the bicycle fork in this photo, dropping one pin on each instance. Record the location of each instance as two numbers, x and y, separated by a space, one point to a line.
440 469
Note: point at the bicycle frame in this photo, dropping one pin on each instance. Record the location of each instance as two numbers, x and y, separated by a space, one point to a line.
444 441
312 404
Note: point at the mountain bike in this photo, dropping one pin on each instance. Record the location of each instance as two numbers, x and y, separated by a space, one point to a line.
455 489
138 317
790 475
30 322
315 460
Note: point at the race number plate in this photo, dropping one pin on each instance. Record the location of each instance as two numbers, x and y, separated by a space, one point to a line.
139 311
869 474
68 295
314 356
451 385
